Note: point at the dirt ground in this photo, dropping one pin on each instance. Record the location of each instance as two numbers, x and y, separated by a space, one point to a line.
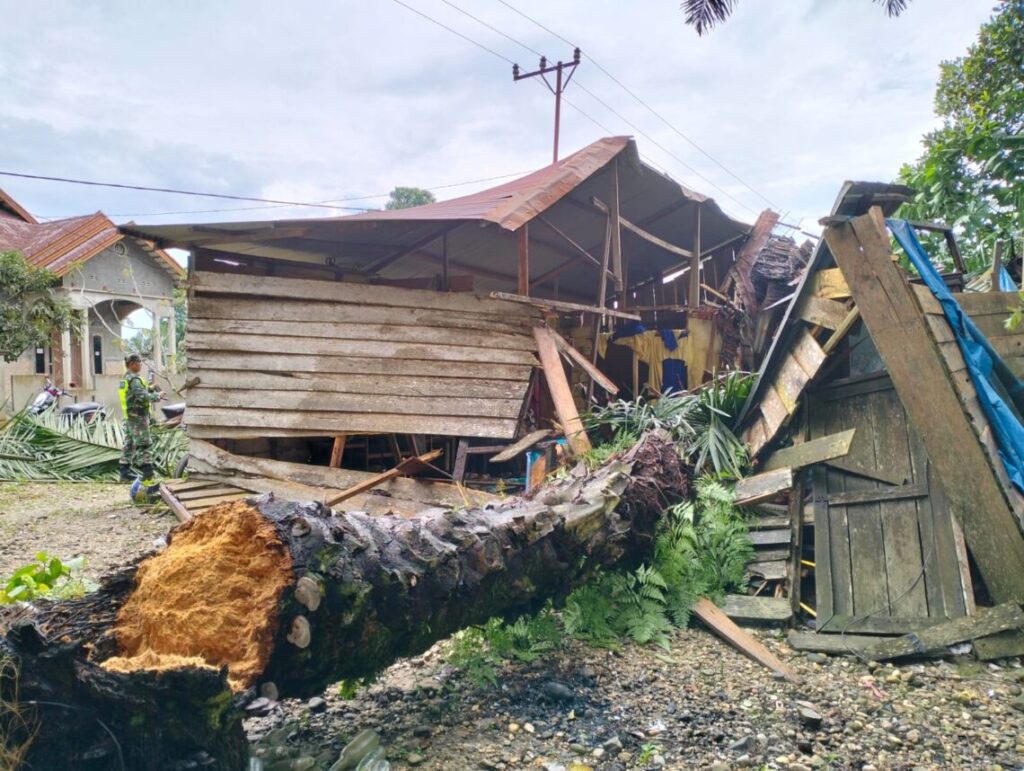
66 519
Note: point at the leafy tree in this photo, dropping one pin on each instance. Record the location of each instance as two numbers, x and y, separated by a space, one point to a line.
705 14
407 197
31 313
972 170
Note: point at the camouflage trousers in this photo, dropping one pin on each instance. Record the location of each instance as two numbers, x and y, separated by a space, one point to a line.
137 450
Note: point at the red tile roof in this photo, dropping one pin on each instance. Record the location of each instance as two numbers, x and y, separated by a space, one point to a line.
60 245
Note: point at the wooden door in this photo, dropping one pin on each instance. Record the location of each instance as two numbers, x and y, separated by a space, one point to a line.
885 544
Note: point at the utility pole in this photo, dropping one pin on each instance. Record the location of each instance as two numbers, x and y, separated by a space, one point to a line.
560 84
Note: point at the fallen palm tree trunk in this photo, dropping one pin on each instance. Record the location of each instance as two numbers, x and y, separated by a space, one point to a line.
268 591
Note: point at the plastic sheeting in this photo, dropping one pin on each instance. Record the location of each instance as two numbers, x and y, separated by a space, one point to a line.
1000 393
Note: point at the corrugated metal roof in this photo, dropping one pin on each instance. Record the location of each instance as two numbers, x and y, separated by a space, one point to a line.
478 228
61 244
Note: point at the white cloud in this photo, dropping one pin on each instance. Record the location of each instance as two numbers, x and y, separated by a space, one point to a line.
311 100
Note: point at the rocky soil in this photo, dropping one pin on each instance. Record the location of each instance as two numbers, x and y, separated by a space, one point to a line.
66 519
699 706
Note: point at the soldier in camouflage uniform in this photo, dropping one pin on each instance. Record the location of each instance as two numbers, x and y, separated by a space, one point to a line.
136 398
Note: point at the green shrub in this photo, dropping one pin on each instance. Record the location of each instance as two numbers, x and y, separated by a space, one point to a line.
48 577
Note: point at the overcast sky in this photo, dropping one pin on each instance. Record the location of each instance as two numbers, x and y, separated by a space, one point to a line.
308 101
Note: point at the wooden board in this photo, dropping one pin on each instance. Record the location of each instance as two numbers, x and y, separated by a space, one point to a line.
521 446
985 622
358 294
815 451
720 623
362 359
760 487
835 644
861 248
821 312
829 283
561 395
757 610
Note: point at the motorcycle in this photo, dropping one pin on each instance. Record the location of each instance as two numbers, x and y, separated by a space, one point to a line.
50 396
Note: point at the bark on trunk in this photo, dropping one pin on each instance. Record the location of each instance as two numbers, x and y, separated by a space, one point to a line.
357 593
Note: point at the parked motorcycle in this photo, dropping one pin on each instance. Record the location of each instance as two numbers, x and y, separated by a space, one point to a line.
50 396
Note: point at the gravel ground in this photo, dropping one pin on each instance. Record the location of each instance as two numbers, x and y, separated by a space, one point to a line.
71 518
700 706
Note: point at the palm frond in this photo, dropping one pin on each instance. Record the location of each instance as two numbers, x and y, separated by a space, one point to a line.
702 15
894 7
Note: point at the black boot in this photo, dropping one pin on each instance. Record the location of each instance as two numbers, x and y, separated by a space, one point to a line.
125 472
147 472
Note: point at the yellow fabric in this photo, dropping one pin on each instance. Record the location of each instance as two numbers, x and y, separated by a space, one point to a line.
692 349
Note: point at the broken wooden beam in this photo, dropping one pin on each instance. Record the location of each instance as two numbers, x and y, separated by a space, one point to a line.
561 393
723 626
575 357
180 512
522 445
407 466
985 622
559 305
757 610
760 487
814 451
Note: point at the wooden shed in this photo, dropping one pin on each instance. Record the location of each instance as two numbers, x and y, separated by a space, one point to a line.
864 417
359 341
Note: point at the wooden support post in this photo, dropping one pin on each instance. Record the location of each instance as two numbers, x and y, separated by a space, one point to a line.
602 297
561 394
693 295
997 266
616 228
796 526
337 450
524 260
461 453
915 364
724 627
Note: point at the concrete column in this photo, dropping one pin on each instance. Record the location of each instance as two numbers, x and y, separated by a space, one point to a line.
88 375
158 346
172 341
65 358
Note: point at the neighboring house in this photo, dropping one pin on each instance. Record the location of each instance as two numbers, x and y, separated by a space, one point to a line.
107 276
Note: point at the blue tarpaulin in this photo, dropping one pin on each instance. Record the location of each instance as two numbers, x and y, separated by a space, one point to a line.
1000 393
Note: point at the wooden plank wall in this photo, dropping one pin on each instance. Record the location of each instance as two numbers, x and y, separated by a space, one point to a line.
989 310
299 357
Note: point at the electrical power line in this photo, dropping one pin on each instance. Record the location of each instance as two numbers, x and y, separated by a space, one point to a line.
645 104
586 90
326 201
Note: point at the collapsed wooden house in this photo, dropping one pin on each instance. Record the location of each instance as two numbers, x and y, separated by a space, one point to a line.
321 351
892 502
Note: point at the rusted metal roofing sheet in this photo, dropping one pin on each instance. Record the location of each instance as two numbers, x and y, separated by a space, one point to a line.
61 244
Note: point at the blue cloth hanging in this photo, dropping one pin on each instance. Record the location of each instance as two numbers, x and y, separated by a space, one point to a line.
673 376
629 329
988 371
1006 280
668 337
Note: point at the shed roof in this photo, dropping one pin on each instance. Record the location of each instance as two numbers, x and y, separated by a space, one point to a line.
479 227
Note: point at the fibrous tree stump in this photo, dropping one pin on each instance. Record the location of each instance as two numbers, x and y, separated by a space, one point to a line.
152 670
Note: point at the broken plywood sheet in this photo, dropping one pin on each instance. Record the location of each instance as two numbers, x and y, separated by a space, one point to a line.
815 451
760 487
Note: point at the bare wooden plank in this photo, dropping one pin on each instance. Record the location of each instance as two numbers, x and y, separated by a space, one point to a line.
205 503
578 358
313 312
409 465
338 291
528 441
775 411
861 248
722 625
368 349
559 305
859 469
770 537
815 451
894 493
206 492
841 331
830 284
877 625
834 644
309 401
391 333
343 364
379 385
822 312
337 450
181 485
1001 645
760 487
328 425
985 622
770 570
987 303
560 392
757 610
